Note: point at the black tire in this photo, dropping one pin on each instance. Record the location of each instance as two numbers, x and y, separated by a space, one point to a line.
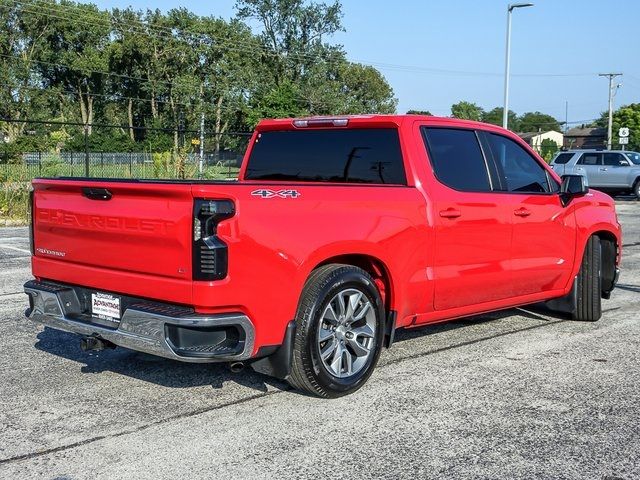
589 287
308 371
636 189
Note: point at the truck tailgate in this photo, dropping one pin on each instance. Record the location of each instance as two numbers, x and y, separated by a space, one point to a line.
136 227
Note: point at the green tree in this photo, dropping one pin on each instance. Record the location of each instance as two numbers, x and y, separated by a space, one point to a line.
625 116
495 117
280 101
293 33
151 73
536 121
128 55
467 111
75 56
547 149
361 89
21 44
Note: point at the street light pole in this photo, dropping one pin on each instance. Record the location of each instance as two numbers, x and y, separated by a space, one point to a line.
505 111
611 88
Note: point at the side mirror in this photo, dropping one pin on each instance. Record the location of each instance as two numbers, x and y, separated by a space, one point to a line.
623 163
572 186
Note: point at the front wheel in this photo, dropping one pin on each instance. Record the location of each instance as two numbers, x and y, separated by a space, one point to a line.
636 189
339 331
589 286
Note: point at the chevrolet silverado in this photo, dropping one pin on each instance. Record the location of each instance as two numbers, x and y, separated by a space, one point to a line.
338 232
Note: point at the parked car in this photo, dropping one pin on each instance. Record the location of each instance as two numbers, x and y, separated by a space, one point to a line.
338 232
613 171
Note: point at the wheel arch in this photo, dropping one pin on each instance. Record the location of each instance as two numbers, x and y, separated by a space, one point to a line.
374 266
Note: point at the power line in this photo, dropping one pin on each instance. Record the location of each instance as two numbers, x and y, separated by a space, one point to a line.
140 79
125 127
169 33
116 96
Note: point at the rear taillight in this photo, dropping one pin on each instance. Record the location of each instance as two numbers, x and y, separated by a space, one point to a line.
31 222
210 256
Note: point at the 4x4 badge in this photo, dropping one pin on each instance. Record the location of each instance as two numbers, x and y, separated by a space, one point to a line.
266 193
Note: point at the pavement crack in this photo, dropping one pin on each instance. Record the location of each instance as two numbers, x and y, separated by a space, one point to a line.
140 428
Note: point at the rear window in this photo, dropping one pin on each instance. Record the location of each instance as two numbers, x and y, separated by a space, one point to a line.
562 158
336 155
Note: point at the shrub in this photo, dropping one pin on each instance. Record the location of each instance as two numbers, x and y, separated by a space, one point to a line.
14 201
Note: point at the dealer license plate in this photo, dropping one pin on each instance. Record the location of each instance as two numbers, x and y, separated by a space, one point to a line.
105 306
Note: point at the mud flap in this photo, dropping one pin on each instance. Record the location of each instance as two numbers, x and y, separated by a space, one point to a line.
278 364
567 304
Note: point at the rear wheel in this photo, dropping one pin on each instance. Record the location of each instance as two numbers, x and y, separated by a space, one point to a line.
339 331
589 283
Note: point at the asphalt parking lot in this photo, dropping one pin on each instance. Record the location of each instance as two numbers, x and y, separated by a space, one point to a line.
514 394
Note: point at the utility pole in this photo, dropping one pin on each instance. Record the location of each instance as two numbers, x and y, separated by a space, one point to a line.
611 76
566 116
201 142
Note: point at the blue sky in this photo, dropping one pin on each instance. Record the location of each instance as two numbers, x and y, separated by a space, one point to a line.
435 53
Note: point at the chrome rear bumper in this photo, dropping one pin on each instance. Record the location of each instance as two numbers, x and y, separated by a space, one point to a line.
144 326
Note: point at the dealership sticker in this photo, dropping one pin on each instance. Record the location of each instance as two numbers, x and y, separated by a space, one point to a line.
105 306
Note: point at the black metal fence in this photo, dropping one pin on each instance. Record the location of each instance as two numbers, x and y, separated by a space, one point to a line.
214 165
108 152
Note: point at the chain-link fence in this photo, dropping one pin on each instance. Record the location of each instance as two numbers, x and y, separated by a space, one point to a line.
109 153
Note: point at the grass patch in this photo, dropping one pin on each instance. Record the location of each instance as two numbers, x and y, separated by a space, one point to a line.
15 179
14 202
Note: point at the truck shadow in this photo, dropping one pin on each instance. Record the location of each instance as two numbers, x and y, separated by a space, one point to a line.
533 312
174 374
149 368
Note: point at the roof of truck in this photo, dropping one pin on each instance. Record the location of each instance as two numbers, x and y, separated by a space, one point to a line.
374 120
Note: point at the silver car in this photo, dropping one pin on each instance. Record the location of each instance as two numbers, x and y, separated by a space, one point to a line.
613 171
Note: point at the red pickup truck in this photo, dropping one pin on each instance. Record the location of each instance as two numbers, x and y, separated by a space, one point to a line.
338 232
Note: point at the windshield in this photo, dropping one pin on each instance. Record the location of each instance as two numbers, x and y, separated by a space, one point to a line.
634 157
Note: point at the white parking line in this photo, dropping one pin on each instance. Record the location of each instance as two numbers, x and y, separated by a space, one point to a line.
15 248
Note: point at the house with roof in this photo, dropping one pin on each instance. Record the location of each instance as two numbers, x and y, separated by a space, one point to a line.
589 137
535 139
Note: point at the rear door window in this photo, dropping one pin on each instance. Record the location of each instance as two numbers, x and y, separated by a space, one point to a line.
522 172
456 159
328 155
590 159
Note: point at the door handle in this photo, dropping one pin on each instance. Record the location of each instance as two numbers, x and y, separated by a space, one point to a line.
603 169
450 213
522 212
96 193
